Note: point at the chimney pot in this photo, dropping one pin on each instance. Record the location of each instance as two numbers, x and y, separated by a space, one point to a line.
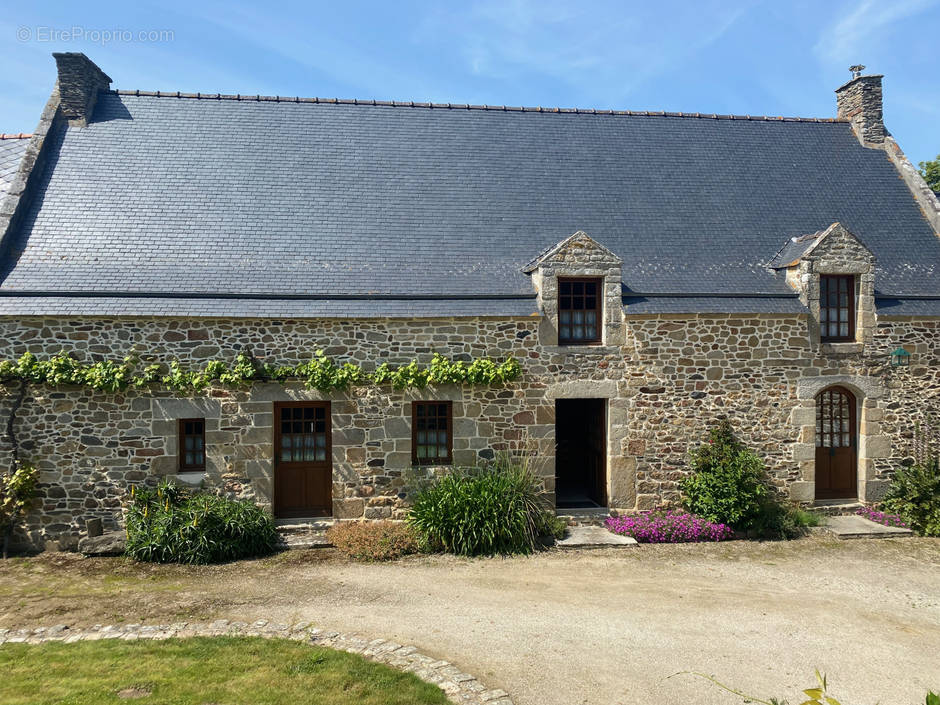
80 79
860 102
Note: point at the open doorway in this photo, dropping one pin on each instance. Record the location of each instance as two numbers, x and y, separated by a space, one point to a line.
580 453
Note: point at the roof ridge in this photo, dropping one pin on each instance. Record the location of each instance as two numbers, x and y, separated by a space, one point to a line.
465 106
807 236
15 136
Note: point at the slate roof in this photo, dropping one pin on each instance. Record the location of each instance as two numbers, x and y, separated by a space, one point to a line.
782 303
794 249
12 147
179 206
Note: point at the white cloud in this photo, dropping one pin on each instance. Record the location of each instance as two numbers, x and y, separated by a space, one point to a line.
848 35
321 49
611 45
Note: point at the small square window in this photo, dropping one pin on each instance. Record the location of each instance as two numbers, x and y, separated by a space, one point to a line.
192 445
836 307
431 432
579 311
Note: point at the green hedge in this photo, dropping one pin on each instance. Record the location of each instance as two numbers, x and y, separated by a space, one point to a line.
914 494
170 524
729 485
727 482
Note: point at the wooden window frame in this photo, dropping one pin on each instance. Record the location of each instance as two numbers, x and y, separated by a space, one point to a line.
831 402
597 339
328 446
824 289
449 459
181 440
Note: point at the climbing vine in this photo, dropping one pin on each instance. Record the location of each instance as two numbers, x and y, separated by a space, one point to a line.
320 372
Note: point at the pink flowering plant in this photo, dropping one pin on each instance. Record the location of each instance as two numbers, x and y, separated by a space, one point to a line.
668 526
884 518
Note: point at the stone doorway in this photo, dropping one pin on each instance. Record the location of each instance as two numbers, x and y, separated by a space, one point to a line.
836 444
581 453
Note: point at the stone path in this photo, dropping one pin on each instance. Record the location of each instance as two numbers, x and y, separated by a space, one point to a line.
852 526
460 687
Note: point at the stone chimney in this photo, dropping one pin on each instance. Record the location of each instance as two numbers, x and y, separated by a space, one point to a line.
859 101
80 79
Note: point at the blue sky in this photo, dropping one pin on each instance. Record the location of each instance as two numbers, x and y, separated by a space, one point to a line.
749 56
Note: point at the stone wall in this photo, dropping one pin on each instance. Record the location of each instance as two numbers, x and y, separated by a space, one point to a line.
670 378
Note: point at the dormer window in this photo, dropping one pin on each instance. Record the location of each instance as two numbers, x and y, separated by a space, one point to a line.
837 308
579 311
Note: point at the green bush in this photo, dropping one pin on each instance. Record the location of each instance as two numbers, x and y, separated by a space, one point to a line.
914 494
776 520
492 509
554 526
170 524
727 481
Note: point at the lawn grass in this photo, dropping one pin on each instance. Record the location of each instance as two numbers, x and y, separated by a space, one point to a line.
201 671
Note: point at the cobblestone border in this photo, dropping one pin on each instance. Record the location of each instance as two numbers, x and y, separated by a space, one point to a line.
460 687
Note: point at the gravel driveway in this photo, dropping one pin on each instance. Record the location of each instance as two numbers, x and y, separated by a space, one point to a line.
606 627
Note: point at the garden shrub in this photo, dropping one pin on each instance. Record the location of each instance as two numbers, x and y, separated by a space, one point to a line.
171 524
668 527
554 527
486 510
727 481
729 486
914 494
777 520
373 540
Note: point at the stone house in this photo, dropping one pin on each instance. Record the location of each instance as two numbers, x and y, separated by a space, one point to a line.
651 272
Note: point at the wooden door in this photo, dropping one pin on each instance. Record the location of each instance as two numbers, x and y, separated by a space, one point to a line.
597 450
303 469
836 444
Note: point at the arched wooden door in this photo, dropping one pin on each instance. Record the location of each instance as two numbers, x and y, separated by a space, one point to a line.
836 444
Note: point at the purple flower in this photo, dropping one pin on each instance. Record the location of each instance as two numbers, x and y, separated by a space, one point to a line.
882 517
668 527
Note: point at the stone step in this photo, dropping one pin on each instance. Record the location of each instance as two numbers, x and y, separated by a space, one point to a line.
583 517
857 527
836 507
594 537
297 541
303 533
288 526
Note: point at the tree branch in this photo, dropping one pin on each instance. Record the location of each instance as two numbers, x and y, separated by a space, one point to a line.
18 399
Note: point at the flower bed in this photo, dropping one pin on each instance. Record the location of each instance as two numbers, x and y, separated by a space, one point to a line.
883 518
668 527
